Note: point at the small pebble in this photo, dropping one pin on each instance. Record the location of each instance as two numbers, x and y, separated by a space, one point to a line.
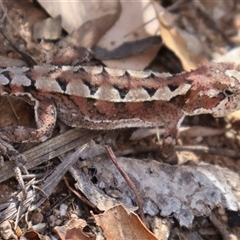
36 218
63 209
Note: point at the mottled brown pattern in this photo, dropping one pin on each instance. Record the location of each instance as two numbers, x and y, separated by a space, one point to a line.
212 88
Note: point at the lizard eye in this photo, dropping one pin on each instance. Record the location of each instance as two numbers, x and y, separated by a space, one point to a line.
228 93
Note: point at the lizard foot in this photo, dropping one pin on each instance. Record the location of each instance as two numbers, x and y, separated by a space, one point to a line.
170 158
167 151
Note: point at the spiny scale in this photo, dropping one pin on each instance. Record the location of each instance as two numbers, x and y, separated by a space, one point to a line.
98 83
103 98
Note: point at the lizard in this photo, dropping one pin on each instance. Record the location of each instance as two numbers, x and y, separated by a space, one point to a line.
103 98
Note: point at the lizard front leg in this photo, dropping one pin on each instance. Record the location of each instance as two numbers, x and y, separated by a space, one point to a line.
168 152
173 119
45 115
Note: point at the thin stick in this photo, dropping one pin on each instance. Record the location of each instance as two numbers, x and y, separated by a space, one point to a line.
128 181
226 234
80 197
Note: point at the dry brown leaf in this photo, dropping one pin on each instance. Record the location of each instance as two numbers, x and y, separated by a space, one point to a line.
199 131
117 223
73 230
90 22
100 17
234 116
141 133
48 29
6 230
173 39
195 131
76 13
90 32
137 21
33 235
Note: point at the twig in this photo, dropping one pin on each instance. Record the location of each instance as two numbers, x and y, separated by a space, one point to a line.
79 196
216 151
50 149
128 180
226 235
190 148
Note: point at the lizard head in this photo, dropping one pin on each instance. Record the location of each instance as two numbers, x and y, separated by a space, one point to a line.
229 90
229 101
215 90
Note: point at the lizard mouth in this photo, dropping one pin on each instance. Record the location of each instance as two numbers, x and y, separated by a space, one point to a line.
227 108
